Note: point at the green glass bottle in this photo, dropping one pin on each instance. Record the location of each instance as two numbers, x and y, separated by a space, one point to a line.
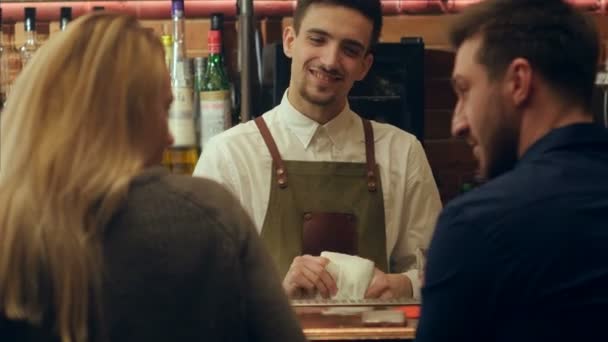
215 96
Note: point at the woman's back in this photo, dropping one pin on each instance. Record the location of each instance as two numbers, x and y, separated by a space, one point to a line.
184 263
97 242
179 265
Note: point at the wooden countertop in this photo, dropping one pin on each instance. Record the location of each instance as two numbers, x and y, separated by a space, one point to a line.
345 324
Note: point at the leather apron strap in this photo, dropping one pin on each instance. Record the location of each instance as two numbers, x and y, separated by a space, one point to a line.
370 156
323 205
277 162
281 171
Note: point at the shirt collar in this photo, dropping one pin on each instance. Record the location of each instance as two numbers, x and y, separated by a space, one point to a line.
305 128
566 137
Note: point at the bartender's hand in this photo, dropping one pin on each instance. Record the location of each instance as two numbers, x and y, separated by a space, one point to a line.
388 286
307 275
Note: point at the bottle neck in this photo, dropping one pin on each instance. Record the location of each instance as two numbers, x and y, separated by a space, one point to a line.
30 37
214 46
179 48
214 59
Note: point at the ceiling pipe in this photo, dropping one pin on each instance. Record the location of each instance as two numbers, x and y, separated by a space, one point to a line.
161 9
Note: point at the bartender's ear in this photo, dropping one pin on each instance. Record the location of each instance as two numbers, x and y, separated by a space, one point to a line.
289 36
367 62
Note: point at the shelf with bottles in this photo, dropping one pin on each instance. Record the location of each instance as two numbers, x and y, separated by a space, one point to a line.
13 56
201 105
197 22
150 9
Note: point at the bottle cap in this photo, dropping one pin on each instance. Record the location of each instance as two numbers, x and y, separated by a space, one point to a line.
217 21
30 18
177 5
65 13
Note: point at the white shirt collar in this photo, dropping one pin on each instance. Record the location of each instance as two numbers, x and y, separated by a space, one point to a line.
305 128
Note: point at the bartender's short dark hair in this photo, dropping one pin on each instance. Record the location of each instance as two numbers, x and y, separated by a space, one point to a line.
559 42
371 9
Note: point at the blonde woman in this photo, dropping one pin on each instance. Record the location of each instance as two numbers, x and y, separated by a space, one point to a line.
95 242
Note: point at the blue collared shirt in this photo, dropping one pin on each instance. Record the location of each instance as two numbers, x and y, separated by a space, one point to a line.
525 256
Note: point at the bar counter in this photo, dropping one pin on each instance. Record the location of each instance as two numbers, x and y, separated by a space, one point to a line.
328 322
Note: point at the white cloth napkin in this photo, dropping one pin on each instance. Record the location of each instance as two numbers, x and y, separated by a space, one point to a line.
352 274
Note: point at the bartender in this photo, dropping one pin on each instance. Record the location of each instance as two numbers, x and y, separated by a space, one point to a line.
315 176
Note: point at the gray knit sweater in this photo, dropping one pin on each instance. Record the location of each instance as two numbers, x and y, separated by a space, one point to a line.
184 263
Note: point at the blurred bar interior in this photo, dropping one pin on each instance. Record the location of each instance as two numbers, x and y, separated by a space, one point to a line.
409 84
161 9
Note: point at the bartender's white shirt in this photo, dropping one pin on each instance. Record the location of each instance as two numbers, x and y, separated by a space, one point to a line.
239 159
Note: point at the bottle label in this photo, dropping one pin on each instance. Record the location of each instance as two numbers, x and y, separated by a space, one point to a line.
215 49
216 114
181 117
214 42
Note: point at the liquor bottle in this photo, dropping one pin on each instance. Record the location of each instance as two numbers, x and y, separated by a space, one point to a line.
10 60
215 96
42 32
65 16
200 63
183 154
31 45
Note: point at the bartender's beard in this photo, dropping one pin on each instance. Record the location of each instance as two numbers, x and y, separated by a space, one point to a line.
320 100
319 94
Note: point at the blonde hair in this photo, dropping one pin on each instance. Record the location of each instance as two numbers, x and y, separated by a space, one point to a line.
73 137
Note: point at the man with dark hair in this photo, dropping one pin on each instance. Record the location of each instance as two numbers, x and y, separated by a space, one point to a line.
370 9
525 256
316 177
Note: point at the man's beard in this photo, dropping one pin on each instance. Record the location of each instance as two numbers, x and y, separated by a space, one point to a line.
316 100
503 155
502 146
320 100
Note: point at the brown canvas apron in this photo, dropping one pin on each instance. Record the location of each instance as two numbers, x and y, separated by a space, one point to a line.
324 206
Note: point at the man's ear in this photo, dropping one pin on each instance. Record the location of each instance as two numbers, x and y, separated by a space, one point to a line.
289 37
367 64
518 81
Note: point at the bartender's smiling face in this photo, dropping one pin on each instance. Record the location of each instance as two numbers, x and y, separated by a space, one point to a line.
483 114
328 54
